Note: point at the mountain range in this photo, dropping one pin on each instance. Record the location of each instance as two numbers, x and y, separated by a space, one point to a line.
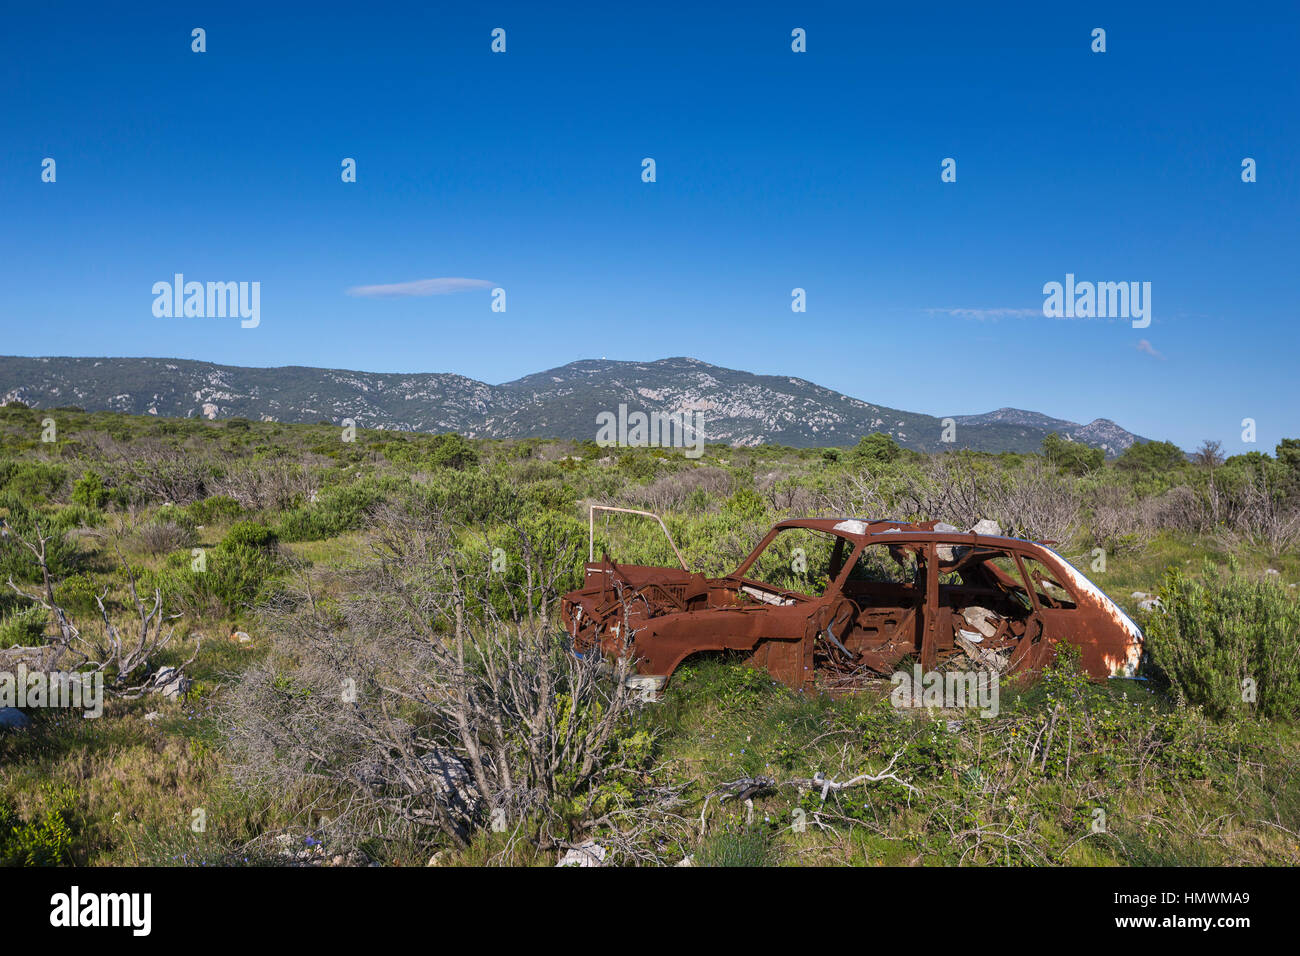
738 408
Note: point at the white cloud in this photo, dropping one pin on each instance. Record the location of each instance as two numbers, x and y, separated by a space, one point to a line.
983 314
444 286
1145 346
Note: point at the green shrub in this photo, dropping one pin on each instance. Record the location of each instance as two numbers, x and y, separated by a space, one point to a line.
24 627
227 579
746 505
33 481
24 519
876 448
1219 633
337 510
452 451
471 497
449 450
89 491
637 465
76 594
43 841
249 534
213 510
1072 456
1151 456
173 515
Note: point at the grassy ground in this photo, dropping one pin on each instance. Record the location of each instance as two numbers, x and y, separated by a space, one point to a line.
1175 788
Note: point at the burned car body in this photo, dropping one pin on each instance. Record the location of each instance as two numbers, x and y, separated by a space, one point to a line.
829 604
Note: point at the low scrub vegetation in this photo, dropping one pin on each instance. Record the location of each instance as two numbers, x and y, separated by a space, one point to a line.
378 675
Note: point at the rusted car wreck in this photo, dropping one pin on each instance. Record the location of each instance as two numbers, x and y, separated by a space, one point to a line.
830 604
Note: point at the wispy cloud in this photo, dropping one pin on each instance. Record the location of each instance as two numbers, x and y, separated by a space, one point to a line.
1149 349
444 286
986 314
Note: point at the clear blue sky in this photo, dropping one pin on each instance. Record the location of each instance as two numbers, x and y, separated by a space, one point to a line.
775 170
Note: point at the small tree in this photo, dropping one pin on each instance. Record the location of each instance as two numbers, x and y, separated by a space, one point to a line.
1158 456
876 449
89 491
1209 455
1072 456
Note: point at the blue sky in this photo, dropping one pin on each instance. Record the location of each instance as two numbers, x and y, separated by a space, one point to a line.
775 170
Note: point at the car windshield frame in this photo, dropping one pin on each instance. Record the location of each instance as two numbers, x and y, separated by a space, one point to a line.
834 585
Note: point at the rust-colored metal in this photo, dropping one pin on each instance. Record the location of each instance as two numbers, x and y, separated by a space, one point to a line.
996 602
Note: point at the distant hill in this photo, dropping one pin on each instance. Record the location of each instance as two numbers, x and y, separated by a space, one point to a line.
738 408
1099 433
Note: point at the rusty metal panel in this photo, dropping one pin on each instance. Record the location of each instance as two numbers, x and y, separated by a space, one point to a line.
961 604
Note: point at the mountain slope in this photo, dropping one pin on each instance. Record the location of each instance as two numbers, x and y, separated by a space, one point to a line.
737 407
1099 433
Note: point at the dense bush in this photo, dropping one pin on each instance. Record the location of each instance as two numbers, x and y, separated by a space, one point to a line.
876 448
1151 456
214 509
228 579
448 450
89 491
334 512
26 522
1071 456
24 627
472 497
1228 629
249 534
32 481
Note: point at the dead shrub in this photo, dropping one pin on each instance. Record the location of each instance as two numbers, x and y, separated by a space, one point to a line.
263 485
672 491
1115 521
164 537
415 699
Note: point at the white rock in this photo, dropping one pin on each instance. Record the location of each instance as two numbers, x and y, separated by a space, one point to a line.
588 854
949 552
987 526
170 683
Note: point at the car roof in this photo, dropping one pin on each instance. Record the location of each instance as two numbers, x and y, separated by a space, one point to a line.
884 531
